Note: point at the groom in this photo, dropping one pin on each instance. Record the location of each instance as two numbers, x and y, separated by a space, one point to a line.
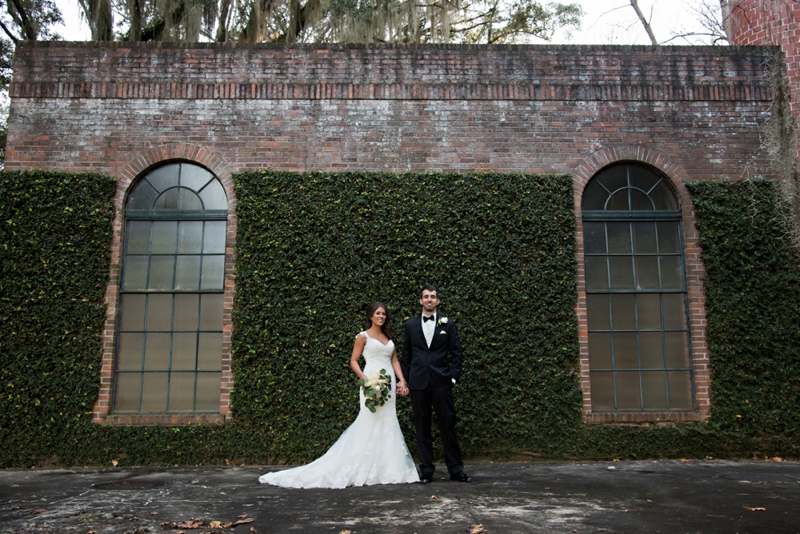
431 376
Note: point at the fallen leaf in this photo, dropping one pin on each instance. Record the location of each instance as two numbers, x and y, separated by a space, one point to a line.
345 532
757 509
39 511
476 529
115 463
243 521
242 516
15 507
153 513
215 524
434 497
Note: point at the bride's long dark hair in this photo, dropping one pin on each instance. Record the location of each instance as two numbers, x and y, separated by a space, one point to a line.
386 328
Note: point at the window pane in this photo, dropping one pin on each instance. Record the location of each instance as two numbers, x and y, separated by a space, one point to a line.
135 273
186 309
594 238
165 235
213 272
602 389
622 312
131 312
621 272
644 238
619 237
181 391
664 198
194 177
214 238
668 242
594 197
142 197
599 350
618 201
208 390
213 196
188 200
642 177
613 177
168 200
187 273
651 350
154 392
680 390
628 392
640 201
626 355
649 308
127 391
647 272
184 351
156 354
671 272
164 177
597 312
138 237
162 269
129 352
211 312
654 390
190 237
159 312
677 345
210 352
596 273
674 312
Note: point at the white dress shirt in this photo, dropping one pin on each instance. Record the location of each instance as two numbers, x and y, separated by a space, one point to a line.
428 328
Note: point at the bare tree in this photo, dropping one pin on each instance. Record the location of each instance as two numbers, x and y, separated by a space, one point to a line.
644 21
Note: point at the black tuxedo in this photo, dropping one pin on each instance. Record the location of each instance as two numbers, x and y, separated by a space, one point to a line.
429 373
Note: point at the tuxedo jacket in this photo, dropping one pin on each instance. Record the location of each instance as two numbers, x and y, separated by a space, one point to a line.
423 365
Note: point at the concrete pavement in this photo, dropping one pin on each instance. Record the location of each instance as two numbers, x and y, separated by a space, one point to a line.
671 496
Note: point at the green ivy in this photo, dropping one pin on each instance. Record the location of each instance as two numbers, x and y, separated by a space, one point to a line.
753 308
313 249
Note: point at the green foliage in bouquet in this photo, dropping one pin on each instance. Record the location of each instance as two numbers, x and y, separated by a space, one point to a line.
376 388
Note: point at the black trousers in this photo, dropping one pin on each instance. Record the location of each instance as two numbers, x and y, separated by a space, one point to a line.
439 398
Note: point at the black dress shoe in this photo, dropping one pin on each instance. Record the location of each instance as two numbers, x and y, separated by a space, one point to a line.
425 479
461 476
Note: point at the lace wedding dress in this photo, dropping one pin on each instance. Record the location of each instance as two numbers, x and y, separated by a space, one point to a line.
371 451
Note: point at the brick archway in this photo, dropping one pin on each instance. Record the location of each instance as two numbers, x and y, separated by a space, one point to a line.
695 271
128 174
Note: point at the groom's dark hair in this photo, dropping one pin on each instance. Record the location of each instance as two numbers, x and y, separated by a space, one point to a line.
430 287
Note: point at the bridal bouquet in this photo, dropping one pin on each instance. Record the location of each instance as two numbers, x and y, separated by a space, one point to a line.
376 389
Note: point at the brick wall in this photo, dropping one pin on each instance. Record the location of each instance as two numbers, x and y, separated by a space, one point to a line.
693 113
772 22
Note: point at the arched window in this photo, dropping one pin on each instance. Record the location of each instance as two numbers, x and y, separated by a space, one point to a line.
169 342
639 351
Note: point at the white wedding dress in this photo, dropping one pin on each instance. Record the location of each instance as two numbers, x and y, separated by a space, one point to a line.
371 451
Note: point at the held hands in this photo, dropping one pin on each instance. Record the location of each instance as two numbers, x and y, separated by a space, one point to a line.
402 389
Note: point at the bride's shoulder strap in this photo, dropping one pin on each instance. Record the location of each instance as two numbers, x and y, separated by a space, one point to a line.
362 333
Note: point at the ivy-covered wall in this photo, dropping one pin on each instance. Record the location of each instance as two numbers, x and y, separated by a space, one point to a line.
753 308
313 248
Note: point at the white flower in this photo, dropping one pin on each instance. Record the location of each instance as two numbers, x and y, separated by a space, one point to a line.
443 320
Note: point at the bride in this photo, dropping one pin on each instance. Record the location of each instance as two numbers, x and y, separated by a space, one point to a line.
372 450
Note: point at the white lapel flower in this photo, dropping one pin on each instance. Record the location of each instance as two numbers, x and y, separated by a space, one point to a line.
442 321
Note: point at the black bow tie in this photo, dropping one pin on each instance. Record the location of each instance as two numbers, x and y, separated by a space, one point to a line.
425 318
